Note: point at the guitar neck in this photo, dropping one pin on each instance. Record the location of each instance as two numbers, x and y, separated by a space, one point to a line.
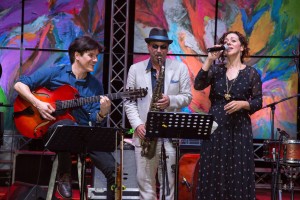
60 105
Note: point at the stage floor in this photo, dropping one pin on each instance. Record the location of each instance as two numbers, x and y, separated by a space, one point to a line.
261 194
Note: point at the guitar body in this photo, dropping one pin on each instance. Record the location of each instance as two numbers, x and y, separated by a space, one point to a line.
28 119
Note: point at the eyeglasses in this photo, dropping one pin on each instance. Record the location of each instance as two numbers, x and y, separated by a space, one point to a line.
163 47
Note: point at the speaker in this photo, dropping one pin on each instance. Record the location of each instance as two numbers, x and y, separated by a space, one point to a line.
98 191
20 191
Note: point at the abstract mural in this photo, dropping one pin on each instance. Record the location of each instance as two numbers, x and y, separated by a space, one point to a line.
39 37
273 31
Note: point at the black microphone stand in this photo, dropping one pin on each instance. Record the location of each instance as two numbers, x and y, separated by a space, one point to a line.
277 183
273 107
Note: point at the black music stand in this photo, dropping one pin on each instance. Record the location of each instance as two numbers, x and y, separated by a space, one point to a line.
81 139
178 126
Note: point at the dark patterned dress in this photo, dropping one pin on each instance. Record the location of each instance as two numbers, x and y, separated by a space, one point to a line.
227 159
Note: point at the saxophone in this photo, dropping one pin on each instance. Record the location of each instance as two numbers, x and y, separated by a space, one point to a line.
149 144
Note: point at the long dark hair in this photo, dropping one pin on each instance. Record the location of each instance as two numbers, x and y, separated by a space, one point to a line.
243 41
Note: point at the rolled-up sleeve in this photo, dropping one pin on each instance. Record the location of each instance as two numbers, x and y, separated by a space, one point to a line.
39 78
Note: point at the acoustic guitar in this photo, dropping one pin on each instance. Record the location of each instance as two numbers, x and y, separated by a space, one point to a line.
30 123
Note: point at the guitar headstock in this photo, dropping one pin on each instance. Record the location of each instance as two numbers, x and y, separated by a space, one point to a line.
134 93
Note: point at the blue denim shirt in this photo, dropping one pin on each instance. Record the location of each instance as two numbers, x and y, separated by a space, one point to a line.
53 77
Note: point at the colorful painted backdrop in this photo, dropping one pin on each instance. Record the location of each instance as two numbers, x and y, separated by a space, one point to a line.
273 30
40 38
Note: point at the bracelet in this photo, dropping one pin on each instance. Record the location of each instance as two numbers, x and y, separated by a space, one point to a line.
101 116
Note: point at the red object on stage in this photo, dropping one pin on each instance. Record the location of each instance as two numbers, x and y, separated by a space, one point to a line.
188 176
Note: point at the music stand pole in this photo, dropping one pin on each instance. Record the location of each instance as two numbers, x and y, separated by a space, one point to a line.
165 178
119 169
83 160
176 168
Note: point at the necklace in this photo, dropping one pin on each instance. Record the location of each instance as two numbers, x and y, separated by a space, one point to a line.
227 95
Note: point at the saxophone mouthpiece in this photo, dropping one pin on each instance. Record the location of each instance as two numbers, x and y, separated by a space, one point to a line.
159 59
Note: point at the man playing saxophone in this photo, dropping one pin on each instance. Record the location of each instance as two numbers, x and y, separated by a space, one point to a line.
168 84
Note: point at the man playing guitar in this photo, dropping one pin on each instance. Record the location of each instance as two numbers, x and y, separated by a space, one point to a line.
83 53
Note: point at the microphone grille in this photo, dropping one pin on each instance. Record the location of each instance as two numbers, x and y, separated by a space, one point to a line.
225 46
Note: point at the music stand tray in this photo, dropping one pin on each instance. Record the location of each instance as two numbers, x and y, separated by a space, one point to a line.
178 125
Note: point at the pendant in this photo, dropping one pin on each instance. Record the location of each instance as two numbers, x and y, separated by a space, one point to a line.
227 96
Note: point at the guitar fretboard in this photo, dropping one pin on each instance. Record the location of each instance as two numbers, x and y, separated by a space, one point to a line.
60 105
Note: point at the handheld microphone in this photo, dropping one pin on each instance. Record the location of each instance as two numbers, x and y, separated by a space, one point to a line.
223 47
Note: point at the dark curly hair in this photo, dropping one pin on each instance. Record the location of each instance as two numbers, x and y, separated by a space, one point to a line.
243 41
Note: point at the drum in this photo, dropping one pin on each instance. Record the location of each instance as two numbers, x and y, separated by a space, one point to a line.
269 149
188 176
291 151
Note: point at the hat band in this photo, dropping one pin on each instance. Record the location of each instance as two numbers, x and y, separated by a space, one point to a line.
158 37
